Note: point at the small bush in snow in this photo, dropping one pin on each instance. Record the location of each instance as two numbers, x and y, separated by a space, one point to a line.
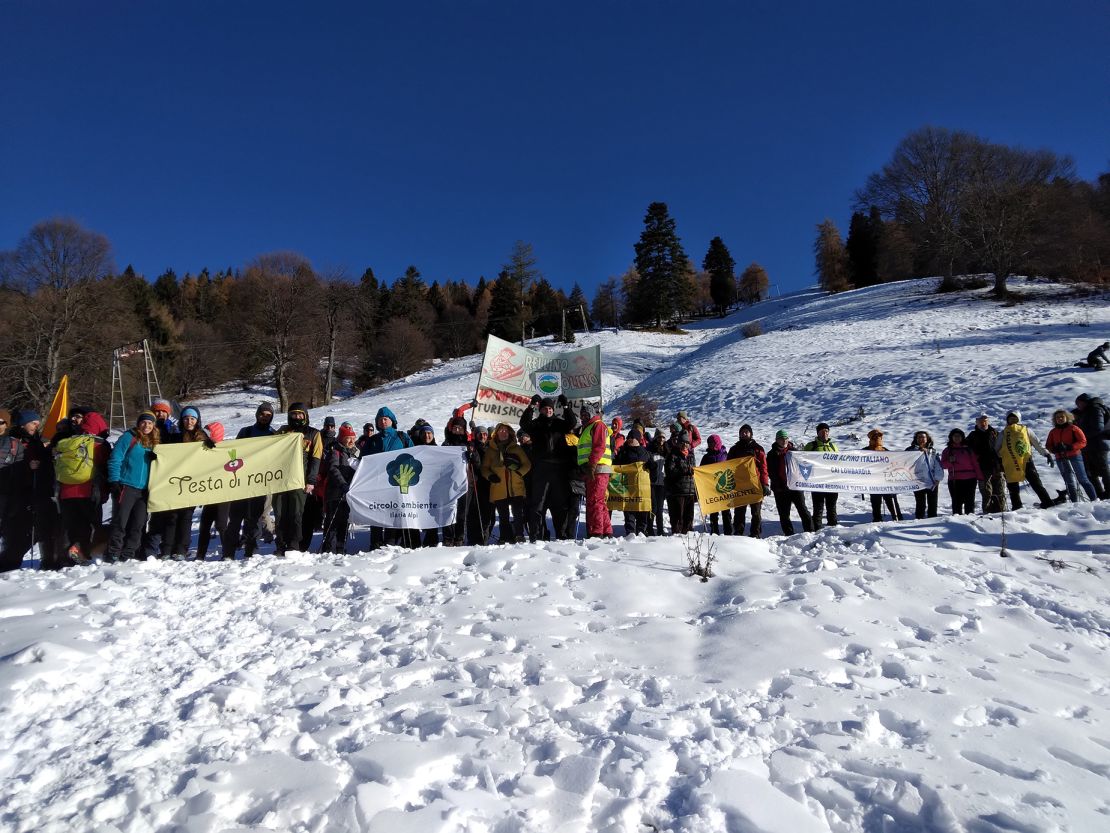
752 329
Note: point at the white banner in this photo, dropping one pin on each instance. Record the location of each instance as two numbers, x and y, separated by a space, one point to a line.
411 488
874 472
511 375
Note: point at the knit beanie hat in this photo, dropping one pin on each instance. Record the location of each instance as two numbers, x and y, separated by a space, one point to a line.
547 402
161 405
329 422
345 431
29 415
264 408
190 411
782 434
746 427
147 415
823 426
635 436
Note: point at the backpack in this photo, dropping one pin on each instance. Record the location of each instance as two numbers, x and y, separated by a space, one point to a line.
73 459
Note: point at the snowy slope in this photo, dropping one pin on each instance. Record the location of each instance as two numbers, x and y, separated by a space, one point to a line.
875 677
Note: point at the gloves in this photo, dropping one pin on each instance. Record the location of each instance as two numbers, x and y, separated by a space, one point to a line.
562 400
535 400
494 477
153 455
512 465
208 443
1051 462
766 490
473 403
115 489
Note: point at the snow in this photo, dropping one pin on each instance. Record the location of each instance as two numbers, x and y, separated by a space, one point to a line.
873 677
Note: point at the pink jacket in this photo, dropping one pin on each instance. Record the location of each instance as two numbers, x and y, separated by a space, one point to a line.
961 463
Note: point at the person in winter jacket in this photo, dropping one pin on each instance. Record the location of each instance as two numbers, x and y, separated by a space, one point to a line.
158 523
1015 445
35 519
925 500
128 479
243 515
80 503
633 452
1066 440
691 430
658 449
823 502
364 441
983 440
550 490
1093 419
212 514
177 526
875 443
681 494
1099 357
746 446
12 500
422 434
962 465
504 466
342 460
329 433
785 497
467 526
289 505
616 438
387 438
715 453
595 460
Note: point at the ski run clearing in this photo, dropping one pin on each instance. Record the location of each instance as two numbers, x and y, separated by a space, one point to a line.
886 678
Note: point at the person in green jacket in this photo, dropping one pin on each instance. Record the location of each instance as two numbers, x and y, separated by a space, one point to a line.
823 501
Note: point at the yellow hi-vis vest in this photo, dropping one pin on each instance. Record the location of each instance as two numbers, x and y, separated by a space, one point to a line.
586 446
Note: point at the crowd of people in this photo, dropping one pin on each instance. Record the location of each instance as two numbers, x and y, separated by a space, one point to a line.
530 483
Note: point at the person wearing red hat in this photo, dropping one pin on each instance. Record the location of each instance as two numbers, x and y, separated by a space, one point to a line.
342 458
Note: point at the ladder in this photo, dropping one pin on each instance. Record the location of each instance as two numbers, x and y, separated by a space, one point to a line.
153 386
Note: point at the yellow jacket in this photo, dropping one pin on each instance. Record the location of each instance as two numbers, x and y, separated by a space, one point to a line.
509 462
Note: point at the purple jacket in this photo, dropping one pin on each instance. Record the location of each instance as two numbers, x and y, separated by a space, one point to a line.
716 451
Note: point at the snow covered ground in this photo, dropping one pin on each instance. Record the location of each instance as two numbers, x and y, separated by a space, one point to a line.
883 678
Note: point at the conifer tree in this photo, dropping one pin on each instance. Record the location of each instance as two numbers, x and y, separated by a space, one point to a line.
662 289
721 267
863 247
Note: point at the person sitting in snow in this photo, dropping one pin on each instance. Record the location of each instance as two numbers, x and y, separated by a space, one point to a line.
1098 358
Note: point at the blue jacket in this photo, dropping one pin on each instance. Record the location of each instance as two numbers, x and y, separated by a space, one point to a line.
130 462
390 439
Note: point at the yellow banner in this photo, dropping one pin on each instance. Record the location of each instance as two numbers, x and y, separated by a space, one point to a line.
727 485
629 489
188 474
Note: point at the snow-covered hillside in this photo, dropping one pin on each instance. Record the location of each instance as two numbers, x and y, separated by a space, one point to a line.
882 678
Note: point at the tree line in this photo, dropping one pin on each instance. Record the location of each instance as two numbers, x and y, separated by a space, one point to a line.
279 320
951 203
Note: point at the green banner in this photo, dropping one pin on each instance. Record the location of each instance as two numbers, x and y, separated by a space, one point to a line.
188 474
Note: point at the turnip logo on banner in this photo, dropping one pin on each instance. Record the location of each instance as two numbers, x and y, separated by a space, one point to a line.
188 474
874 472
416 488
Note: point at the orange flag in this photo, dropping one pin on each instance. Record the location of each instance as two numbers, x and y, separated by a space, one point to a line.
58 411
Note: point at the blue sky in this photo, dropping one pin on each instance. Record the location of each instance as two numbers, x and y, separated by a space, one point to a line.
437 134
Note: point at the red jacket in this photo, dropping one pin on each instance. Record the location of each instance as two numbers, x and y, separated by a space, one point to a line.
1069 434
753 449
692 430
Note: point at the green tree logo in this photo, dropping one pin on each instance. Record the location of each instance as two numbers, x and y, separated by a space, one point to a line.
726 482
404 471
618 484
